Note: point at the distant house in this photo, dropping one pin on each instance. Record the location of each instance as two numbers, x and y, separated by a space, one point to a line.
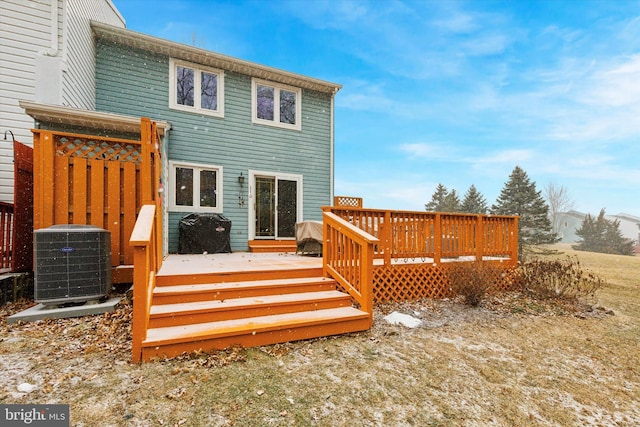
46 56
570 221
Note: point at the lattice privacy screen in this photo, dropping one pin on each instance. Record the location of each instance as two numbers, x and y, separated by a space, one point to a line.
98 149
410 282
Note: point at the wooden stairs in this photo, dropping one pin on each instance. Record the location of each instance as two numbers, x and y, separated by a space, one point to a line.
214 311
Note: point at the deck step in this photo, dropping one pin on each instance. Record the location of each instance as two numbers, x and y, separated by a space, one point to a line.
238 308
224 291
254 331
238 276
264 246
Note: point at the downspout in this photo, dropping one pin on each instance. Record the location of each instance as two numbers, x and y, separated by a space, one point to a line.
331 184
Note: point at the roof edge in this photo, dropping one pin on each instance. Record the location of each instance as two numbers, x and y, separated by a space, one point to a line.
86 118
206 57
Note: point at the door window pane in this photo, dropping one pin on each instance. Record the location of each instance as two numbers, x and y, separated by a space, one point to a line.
265 207
208 189
184 86
287 107
265 98
287 208
184 187
209 95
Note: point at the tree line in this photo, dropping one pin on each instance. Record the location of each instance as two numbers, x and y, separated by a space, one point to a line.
539 218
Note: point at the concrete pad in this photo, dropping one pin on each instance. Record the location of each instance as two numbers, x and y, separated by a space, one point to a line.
40 311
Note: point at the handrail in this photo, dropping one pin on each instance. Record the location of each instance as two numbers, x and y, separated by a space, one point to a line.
435 235
348 258
145 266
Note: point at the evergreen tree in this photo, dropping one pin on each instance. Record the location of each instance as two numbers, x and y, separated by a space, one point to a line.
520 197
437 199
602 235
451 202
474 202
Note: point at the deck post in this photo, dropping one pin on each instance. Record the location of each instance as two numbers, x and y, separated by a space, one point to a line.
480 237
142 240
43 188
145 166
513 241
437 238
326 242
387 238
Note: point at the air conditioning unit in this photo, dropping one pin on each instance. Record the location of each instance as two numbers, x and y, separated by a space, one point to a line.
72 263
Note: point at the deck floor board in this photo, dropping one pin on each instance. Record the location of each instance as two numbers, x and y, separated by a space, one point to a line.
236 262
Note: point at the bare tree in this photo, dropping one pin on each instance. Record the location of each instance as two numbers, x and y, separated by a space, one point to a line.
559 202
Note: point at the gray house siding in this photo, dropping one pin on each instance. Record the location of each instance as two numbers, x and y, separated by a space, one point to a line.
136 83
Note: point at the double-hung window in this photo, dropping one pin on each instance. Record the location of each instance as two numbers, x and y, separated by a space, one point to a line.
195 187
196 88
276 105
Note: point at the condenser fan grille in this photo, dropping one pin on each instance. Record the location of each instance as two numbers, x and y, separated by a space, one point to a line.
72 263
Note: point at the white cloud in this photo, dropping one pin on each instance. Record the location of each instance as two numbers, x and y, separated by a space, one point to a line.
506 157
430 151
616 86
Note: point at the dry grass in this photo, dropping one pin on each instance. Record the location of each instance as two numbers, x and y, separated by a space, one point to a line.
511 361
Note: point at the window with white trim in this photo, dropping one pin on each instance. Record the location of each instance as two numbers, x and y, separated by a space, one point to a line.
195 187
196 88
276 105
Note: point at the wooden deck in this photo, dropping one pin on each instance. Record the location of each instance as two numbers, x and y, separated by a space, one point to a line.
185 303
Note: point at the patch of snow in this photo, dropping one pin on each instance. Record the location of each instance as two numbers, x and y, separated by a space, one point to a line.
26 388
396 318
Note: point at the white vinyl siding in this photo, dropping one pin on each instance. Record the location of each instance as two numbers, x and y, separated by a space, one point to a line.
78 84
25 33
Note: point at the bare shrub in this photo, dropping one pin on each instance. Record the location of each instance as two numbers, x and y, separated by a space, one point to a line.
558 279
473 281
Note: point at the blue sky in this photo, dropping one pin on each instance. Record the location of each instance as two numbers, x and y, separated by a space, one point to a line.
449 92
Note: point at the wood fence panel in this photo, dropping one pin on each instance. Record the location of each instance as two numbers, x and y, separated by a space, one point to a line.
60 171
22 259
102 181
113 209
45 172
79 191
129 204
97 194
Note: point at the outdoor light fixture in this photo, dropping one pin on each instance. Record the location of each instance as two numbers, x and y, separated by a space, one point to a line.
240 193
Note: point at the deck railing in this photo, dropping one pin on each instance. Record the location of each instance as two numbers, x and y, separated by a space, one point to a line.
6 236
435 235
383 256
146 262
348 258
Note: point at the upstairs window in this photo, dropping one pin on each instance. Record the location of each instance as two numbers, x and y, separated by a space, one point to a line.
276 105
196 88
196 187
